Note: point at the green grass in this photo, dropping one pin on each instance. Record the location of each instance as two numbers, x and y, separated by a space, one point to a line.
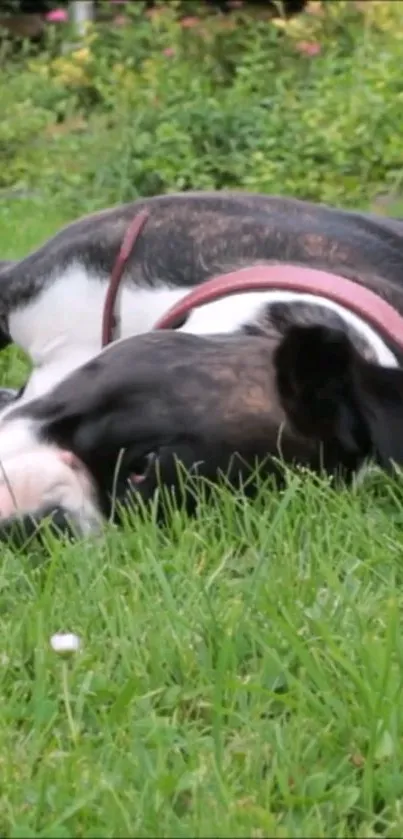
240 674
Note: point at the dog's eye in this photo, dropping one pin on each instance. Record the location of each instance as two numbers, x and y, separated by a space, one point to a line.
138 470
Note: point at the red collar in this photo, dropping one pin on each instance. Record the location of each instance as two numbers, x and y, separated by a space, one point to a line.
351 295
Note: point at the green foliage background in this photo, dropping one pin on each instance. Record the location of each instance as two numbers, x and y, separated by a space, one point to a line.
210 102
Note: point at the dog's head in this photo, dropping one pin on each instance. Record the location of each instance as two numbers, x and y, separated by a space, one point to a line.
308 397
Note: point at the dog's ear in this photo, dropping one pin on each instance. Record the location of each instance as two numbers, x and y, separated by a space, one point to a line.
315 379
331 393
380 393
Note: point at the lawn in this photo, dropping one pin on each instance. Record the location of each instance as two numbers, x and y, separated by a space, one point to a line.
239 675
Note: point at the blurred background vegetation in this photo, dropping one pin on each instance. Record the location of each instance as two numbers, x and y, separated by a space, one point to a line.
305 100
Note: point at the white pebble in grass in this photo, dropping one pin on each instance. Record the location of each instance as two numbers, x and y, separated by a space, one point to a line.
65 642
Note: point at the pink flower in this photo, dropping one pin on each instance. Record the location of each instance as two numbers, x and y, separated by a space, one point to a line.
153 13
310 48
315 9
57 16
169 52
121 20
189 22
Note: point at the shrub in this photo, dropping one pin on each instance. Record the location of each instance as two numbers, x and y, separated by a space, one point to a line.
309 106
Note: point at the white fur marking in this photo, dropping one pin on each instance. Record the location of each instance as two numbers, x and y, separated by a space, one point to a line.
16 436
61 328
230 313
44 475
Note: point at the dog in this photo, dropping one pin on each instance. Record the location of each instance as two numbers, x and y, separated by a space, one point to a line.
186 239
218 405
52 302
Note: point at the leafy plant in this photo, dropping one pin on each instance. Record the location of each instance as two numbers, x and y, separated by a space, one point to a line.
309 106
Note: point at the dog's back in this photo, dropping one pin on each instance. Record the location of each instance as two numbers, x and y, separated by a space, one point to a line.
193 235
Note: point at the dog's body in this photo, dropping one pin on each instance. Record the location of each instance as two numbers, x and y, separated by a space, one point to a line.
51 303
260 370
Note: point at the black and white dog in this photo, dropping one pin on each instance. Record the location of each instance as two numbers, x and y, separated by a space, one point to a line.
328 379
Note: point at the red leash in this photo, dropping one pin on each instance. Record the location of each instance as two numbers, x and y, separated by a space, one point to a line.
129 240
